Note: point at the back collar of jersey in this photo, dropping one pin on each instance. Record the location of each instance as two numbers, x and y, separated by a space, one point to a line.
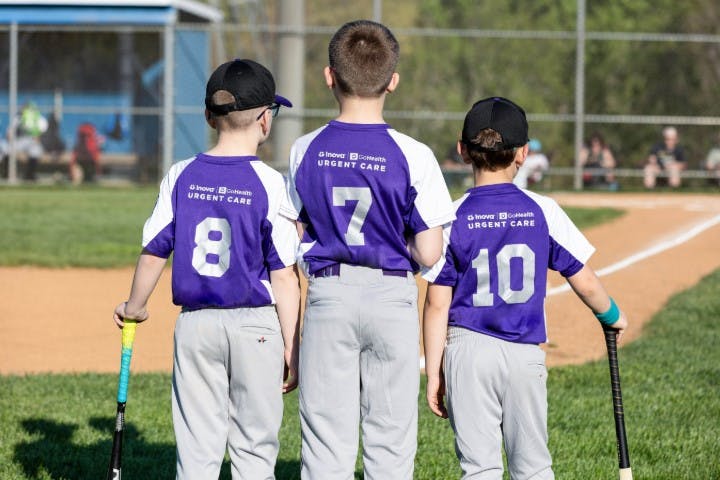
225 159
358 126
495 188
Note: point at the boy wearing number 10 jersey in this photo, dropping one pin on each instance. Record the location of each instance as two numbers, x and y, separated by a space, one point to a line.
484 312
370 203
234 276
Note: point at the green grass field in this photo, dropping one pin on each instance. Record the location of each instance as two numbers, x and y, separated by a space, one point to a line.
102 227
73 227
59 426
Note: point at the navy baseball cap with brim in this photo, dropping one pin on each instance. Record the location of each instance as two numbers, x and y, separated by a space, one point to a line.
251 84
498 114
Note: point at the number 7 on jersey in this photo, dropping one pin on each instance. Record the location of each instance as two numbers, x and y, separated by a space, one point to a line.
363 195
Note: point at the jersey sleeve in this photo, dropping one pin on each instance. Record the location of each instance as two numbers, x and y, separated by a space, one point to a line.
158 232
281 239
293 206
569 249
432 206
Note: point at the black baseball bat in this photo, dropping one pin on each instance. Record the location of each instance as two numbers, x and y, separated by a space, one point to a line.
622 446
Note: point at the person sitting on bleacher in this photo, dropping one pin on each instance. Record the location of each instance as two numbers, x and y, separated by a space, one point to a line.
28 125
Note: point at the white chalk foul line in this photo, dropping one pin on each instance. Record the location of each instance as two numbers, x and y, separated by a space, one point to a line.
649 252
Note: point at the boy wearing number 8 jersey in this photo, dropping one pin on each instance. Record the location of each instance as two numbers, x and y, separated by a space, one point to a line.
236 339
484 313
370 202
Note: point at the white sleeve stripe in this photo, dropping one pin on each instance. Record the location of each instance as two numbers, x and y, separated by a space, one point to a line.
436 222
284 234
163 213
562 229
433 202
297 154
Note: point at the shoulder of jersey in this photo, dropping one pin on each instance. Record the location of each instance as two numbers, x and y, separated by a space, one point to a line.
177 168
406 140
304 140
457 203
545 202
266 171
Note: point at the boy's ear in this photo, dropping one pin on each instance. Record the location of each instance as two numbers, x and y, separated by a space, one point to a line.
521 155
329 77
462 151
394 80
210 119
265 124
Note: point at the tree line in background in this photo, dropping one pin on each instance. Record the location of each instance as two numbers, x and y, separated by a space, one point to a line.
623 77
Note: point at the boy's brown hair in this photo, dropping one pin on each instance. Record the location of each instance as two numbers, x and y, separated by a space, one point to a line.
363 56
488 159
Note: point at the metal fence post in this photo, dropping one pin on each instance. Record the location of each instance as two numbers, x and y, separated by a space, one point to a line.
168 99
579 93
12 155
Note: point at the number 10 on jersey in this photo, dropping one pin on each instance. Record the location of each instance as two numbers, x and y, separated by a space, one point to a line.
483 297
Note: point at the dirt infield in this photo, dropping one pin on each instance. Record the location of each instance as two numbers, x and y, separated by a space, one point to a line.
60 320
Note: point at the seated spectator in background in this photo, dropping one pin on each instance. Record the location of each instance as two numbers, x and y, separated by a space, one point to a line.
598 163
536 164
29 124
666 157
51 141
85 162
712 161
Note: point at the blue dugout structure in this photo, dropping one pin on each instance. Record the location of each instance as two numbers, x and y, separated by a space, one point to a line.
181 70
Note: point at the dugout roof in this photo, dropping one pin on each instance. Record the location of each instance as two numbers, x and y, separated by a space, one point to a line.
106 12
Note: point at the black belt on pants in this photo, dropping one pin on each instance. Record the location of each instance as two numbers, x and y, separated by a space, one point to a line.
334 271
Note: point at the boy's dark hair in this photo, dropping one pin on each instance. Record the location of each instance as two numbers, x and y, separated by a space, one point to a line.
489 159
363 56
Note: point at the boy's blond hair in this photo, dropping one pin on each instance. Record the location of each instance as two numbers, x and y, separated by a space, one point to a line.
236 120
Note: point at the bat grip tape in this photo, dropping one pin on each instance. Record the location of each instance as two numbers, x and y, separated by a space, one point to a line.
124 374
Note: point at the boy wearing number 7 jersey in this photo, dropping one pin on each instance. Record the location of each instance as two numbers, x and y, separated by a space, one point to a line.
371 202
484 313
236 339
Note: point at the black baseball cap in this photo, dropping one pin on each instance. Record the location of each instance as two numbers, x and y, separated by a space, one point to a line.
499 114
250 83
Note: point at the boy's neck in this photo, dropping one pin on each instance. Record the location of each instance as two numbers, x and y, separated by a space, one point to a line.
486 177
237 143
361 109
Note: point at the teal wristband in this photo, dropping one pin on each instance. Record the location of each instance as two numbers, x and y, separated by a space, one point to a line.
611 316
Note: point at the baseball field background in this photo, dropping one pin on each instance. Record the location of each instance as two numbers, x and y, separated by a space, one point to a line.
67 255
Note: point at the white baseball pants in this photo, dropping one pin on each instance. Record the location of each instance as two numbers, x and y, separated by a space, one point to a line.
359 365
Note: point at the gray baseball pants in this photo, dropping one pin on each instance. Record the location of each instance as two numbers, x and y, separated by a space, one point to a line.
496 391
227 392
359 365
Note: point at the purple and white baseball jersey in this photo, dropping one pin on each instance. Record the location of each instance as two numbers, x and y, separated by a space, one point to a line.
362 189
220 217
497 254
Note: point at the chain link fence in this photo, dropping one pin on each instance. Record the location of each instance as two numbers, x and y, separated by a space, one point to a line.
113 78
